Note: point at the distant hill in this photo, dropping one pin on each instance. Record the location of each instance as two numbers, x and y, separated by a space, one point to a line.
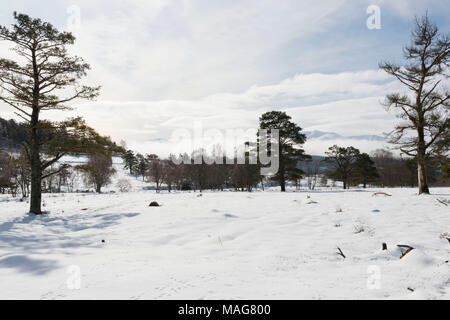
323 166
323 135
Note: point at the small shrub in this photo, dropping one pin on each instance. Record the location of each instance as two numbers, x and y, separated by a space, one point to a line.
359 228
124 185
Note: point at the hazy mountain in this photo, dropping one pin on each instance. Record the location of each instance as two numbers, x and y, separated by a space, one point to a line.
324 136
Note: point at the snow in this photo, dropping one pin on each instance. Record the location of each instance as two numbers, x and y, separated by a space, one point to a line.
226 245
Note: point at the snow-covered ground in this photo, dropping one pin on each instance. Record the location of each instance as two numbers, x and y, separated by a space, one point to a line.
226 245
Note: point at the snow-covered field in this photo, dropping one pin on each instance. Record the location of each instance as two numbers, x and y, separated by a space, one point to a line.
227 245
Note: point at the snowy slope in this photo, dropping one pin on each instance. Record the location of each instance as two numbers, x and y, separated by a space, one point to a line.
226 245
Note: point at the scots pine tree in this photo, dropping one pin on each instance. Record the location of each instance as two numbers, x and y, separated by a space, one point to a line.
365 170
44 77
290 141
130 160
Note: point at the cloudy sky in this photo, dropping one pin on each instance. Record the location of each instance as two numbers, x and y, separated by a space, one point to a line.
166 65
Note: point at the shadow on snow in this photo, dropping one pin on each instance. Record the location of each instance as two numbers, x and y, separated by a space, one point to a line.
31 234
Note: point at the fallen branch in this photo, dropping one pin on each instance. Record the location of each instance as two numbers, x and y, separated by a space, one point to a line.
382 193
340 253
445 204
408 249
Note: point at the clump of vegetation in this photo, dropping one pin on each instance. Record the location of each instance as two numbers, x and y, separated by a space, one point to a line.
362 228
124 185
445 235
359 228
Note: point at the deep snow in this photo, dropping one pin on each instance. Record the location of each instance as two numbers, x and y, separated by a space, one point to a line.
226 245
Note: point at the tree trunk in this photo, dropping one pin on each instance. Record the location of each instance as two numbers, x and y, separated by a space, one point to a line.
36 192
281 166
282 178
345 184
35 159
422 177
421 162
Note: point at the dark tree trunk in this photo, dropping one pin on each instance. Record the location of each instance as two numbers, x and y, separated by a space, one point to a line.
421 163
282 175
283 185
36 192
422 177
35 159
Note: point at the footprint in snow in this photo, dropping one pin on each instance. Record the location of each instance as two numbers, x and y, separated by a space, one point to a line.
227 215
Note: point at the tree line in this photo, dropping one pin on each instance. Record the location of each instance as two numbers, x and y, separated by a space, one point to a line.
12 134
342 164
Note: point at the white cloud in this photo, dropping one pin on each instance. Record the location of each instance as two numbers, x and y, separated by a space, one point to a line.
190 49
